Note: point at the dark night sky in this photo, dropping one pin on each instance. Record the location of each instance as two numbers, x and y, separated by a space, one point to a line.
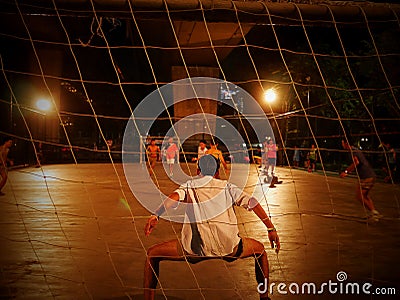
99 75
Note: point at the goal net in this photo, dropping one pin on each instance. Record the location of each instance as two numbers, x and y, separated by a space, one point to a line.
279 88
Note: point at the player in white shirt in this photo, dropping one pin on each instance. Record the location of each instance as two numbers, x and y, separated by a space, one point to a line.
208 231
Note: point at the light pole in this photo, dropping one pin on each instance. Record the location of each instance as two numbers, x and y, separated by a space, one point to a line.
43 106
308 78
270 97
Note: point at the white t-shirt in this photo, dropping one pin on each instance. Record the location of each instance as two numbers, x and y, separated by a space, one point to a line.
220 233
201 152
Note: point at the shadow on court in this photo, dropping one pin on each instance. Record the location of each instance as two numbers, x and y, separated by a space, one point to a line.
76 232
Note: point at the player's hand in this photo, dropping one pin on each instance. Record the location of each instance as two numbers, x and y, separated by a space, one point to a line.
150 225
343 174
274 240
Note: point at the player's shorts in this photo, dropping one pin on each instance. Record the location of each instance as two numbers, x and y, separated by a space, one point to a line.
152 160
170 161
271 161
236 253
367 183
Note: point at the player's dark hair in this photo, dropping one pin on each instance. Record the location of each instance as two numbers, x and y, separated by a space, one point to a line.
5 139
208 165
203 141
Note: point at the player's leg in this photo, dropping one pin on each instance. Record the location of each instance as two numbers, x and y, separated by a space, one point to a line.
263 160
149 165
254 248
392 168
272 163
155 254
266 164
3 174
152 164
367 200
171 163
363 190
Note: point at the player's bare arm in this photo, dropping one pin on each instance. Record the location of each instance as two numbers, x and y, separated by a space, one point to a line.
351 167
153 219
272 233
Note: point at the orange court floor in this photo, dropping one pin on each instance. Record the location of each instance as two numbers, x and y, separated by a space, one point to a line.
76 232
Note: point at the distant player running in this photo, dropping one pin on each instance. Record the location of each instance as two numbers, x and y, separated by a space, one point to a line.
153 154
171 152
312 158
218 155
366 179
270 152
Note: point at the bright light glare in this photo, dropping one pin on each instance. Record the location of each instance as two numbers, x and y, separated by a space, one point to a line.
43 105
270 96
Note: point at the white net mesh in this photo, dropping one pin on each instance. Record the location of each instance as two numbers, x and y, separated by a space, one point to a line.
73 73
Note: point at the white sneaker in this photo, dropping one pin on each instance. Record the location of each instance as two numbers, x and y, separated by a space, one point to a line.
373 218
374 215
